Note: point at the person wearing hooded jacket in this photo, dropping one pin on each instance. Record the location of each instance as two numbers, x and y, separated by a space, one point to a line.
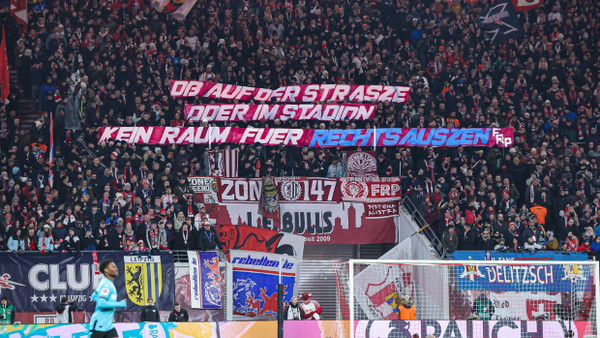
64 311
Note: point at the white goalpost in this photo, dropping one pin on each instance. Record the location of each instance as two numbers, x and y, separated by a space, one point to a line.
527 298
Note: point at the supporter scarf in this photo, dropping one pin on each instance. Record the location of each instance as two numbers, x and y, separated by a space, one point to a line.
190 211
185 235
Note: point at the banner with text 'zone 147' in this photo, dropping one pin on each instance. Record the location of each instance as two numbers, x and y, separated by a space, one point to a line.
255 279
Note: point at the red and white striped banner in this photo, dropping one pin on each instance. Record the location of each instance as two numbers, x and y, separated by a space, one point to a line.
223 162
258 112
296 93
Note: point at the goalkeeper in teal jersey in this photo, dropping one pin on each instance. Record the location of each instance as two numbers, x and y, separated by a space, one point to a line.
105 296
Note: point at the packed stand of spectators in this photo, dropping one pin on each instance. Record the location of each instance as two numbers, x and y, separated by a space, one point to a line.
541 193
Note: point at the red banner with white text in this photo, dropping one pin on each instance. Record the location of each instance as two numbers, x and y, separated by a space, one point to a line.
370 189
260 112
296 93
384 137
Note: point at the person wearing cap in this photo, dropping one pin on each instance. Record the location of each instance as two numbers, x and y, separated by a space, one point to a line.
310 308
450 239
208 238
7 312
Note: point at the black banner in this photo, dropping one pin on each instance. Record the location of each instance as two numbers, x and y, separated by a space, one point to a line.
35 283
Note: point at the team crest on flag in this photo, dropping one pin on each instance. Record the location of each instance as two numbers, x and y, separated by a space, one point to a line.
573 273
143 278
471 272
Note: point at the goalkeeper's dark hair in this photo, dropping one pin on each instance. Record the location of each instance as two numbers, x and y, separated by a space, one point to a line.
104 264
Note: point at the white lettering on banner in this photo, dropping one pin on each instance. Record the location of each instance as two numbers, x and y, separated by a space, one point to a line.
44 277
520 274
201 184
307 189
294 93
262 261
241 190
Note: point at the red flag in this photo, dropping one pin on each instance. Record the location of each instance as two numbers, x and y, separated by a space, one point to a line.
525 5
4 76
18 10
51 160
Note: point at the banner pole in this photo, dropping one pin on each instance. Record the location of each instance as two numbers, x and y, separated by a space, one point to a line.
280 309
375 138
209 138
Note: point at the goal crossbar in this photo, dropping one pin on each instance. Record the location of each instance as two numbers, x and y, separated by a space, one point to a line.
353 262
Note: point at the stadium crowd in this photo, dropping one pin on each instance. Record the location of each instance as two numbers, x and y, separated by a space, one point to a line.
541 193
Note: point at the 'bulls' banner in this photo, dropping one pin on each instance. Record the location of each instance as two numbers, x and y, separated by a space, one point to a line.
319 223
297 93
260 112
35 282
255 279
385 137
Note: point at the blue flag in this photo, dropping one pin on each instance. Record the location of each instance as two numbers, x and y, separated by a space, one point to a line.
501 23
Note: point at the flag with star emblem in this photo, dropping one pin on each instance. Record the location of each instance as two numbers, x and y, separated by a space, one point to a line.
501 23
36 283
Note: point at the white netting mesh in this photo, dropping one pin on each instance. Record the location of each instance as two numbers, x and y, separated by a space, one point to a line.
516 299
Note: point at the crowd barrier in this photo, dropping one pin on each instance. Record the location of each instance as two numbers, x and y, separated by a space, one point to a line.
316 329
518 256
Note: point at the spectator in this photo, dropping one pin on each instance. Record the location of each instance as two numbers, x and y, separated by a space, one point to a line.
531 245
184 239
46 240
292 310
16 243
71 243
208 239
483 307
178 314
150 312
551 241
64 311
450 240
501 246
7 312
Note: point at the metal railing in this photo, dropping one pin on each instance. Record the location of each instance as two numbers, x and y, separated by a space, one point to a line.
416 216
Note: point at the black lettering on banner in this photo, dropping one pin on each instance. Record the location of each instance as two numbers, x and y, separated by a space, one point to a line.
452 330
287 223
501 324
327 223
539 329
430 323
298 217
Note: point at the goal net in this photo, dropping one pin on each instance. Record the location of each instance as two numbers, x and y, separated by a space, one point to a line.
472 298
